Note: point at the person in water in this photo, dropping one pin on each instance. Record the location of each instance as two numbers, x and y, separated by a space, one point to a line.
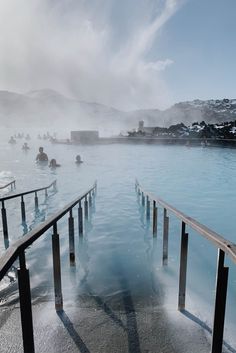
41 156
12 140
53 163
78 159
25 146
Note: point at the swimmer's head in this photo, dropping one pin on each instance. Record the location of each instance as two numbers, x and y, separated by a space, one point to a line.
53 162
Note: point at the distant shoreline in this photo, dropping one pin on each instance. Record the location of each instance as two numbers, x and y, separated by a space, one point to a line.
188 142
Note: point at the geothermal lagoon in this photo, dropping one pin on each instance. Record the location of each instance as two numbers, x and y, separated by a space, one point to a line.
118 263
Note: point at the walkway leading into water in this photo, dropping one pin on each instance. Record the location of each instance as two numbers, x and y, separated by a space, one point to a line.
113 298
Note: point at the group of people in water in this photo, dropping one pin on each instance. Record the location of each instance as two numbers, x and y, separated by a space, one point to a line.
27 137
42 158
47 136
25 146
19 136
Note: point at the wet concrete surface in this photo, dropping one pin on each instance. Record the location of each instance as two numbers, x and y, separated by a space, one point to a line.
96 327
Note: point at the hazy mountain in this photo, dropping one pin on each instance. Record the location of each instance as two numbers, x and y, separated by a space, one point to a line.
50 109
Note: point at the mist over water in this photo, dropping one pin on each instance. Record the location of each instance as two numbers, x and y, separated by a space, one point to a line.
79 49
81 65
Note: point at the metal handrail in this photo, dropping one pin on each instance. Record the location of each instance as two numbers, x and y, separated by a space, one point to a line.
11 183
220 242
28 192
17 250
20 245
23 213
224 247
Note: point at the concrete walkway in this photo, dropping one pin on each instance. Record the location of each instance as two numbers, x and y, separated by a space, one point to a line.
97 327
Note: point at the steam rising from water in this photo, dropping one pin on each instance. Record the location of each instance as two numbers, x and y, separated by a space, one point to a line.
94 51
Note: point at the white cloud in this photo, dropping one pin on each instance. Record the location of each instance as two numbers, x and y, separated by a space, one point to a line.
69 46
159 65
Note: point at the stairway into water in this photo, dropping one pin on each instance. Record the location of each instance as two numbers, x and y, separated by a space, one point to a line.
114 299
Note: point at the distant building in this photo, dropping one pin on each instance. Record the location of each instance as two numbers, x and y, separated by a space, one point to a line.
84 136
141 125
147 129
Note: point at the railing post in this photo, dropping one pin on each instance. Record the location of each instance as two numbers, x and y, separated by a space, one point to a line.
86 208
154 221
94 189
71 238
220 304
36 202
4 225
12 185
80 218
183 267
23 210
143 199
139 194
57 269
25 305
148 208
165 237
90 199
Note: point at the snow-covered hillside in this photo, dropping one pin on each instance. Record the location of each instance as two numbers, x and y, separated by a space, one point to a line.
211 111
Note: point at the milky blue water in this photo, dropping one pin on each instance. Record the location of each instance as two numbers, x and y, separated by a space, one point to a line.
117 253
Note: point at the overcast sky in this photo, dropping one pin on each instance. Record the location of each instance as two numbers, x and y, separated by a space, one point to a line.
129 54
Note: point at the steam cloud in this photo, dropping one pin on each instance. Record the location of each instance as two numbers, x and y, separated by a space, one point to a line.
93 50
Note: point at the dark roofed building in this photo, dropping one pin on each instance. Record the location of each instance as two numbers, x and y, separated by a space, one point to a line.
147 129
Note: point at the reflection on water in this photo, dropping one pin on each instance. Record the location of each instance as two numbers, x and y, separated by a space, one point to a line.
83 257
